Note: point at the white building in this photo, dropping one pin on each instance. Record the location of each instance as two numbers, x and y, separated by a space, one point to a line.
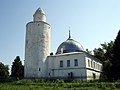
69 62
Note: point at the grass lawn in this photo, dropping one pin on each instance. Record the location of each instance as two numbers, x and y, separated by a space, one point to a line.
59 85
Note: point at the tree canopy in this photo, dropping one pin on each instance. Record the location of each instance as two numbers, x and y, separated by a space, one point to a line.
17 70
115 73
4 73
105 54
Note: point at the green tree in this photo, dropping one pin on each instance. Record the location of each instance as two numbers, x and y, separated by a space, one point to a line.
106 70
99 53
105 54
115 73
89 52
108 50
4 73
17 70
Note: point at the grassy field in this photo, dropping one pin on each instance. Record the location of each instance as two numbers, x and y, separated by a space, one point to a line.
59 85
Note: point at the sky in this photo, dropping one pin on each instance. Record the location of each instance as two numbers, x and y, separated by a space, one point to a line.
92 22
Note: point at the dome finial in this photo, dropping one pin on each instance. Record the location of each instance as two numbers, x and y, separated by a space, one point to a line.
69 33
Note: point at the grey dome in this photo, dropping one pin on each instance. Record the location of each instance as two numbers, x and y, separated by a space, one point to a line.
68 46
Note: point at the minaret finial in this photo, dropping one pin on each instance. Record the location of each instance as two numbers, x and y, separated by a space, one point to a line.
69 33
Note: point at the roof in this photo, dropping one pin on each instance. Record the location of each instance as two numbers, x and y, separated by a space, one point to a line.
40 11
70 45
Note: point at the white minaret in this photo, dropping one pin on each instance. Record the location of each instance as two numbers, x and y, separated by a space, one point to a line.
37 45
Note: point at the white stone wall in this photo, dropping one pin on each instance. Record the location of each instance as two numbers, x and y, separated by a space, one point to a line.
71 57
37 48
91 76
93 66
81 71
39 17
53 63
50 65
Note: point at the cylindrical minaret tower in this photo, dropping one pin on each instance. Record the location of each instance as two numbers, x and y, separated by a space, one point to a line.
37 45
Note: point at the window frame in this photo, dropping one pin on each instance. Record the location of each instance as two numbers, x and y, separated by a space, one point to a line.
68 63
88 63
75 62
61 63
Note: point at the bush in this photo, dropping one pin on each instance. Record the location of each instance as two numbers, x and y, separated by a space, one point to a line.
59 81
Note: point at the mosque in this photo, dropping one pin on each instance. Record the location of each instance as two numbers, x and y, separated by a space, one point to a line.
69 62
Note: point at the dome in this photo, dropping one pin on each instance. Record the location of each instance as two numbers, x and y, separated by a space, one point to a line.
68 46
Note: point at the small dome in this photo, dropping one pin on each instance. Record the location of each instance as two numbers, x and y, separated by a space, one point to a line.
68 46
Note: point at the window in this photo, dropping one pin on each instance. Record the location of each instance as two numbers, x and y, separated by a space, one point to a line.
91 64
99 67
68 63
39 69
61 63
75 62
96 66
88 63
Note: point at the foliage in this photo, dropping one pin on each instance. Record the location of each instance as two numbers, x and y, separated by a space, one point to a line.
53 85
17 70
105 54
4 73
106 70
99 53
89 52
116 59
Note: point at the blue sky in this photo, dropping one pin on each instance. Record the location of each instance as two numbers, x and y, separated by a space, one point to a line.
92 22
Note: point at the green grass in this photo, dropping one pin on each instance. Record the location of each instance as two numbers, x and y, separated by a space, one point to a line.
59 85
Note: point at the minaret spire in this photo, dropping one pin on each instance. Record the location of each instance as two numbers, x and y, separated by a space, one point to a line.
69 33
39 15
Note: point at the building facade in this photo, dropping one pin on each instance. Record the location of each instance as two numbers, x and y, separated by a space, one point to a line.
69 62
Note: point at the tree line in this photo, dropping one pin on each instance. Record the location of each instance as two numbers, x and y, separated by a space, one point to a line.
17 70
109 54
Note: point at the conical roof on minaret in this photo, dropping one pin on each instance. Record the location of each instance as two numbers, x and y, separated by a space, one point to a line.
39 15
39 11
